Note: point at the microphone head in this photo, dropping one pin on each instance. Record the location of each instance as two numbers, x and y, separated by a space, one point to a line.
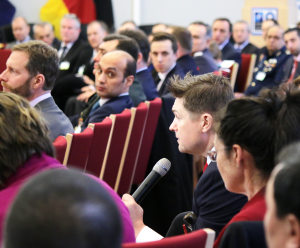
162 166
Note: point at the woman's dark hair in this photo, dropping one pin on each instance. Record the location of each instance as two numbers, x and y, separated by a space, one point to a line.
287 183
251 124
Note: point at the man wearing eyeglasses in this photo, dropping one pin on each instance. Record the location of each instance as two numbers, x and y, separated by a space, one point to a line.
199 101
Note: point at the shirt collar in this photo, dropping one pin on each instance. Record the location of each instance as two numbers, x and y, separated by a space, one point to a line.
221 46
103 101
39 99
162 75
69 45
297 58
25 40
242 46
142 69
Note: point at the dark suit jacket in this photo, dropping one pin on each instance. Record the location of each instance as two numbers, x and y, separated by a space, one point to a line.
147 82
187 63
71 57
84 59
250 48
287 70
213 204
205 63
113 106
58 123
229 53
56 43
177 70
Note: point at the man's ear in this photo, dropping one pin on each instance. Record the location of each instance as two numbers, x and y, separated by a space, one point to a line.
129 80
293 226
39 81
206 122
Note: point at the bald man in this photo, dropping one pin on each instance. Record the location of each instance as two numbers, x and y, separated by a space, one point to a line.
20 30
269 72
114 75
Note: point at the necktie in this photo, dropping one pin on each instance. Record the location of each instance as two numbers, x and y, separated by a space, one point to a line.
63 53
94 108
205 166
293 71
239 49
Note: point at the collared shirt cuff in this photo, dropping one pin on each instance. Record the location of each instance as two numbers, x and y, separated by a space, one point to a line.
147 235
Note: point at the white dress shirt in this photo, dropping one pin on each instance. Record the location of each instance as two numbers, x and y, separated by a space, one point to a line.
163 75
39 99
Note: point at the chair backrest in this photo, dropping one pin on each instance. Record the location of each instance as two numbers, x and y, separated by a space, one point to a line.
247 234
4 55
98 147
233 74
154 107
60 145
78 148
203 238
246 71
131 149
115 147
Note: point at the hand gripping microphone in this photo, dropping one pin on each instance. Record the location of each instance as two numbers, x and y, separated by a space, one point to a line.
159 170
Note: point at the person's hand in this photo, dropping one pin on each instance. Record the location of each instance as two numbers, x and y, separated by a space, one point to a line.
87 80
238 95
84 97
136 213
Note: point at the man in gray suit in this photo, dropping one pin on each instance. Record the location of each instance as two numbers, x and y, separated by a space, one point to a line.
31 72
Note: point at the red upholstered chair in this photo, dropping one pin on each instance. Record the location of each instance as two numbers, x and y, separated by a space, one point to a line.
203 238
78 148
60 145
131 149
102 131
4 54
146 145
246 71
115 147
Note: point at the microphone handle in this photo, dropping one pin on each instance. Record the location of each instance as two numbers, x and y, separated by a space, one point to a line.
146 186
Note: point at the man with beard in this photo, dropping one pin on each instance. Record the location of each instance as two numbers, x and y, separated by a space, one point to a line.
31 71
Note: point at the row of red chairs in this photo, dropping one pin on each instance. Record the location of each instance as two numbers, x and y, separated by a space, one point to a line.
116 150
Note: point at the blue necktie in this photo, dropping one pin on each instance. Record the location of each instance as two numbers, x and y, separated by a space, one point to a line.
94 108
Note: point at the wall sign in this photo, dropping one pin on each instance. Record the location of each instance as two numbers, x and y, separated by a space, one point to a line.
258 15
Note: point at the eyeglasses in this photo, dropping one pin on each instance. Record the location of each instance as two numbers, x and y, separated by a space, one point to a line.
213 154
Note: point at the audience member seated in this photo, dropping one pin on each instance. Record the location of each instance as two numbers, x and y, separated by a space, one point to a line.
82 75
63 208
245 146
21 30
269 72
241 32
44 31
184 44
201 36
31 72
110 43
159 27
163 51
282 219
264 27
216 53
292 41
26 150
199 102
142 73
221 31
114 75
127 25
70 47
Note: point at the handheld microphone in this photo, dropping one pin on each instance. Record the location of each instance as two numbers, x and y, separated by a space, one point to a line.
159 170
